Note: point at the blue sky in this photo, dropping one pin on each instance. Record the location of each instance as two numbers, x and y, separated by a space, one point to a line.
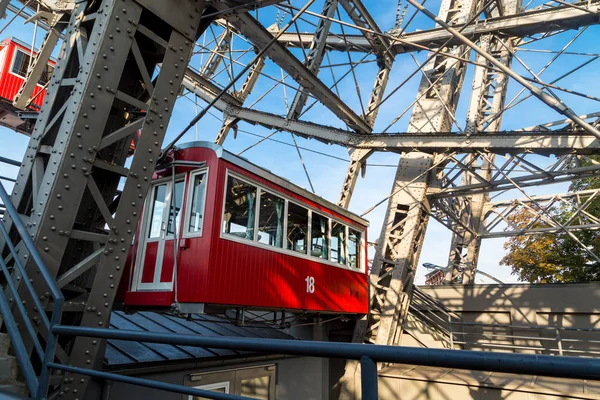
327 173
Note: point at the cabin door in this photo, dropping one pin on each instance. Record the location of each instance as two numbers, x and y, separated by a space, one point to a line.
162 216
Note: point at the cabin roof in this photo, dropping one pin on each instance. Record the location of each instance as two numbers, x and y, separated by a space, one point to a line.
22 44
265 173
122 353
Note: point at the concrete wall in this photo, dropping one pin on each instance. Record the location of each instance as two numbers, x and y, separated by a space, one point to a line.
523 303
520 305
296 378
555 305
392 388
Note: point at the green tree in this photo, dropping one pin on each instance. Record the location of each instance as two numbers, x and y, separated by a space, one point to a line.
556 257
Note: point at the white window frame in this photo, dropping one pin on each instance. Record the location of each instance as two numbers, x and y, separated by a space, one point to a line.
137 284
222 211
285 224
345 225
285 250
310 218
12 64
188 206
260 189
360 247
217 385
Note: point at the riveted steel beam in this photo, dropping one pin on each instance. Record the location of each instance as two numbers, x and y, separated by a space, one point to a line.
392 273
502 223
216 57
526 23
314 57
513 142
563 170
487 98
358 165
247 87
359 14
100 95
255 32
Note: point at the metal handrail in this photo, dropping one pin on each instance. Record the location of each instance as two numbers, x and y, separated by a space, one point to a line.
441 328
37 386
435 329
438 305
425 310
528 364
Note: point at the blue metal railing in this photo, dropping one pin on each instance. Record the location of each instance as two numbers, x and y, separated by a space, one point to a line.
36 384
368 355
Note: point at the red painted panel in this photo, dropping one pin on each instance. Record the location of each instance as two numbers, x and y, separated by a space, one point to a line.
10 84
242 274
149 262
148 298
166 274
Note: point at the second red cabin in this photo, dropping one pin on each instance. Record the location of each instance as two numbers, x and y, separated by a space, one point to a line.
222 231
15 57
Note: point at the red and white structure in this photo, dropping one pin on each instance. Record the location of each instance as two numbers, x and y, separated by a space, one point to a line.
15 58
217 230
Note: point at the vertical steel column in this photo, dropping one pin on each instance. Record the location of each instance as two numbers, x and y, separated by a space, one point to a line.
315 55
487 99
42 171
230 121
358 164
216 56
101 94
384 61
385 58
406 218
178 34
3 6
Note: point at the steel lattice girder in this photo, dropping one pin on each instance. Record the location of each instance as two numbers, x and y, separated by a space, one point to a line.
101 93
405 222
544 142
524 24
538 207
314 57
358 13
487 98
257 34
563 170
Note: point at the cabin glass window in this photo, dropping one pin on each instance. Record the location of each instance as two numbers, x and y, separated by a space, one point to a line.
21 65
240 208
158 208
354 254
270 219
196 214
175 209
319 234
297 228
46 74
338 243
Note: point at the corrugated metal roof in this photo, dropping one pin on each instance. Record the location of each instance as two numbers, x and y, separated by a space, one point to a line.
121 352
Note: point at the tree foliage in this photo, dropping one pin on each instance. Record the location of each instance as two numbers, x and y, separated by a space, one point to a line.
556 257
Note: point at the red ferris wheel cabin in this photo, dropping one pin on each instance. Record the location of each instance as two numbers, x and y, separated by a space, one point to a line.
220 231
15 57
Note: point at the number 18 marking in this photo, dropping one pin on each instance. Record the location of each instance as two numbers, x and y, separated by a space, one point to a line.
310 284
